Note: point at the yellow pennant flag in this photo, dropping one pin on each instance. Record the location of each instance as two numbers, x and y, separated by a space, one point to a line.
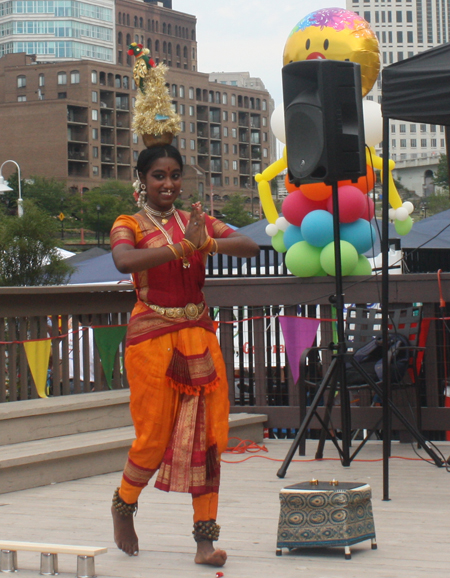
38 355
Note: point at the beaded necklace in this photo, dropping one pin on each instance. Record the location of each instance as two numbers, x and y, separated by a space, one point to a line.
158 226
162 214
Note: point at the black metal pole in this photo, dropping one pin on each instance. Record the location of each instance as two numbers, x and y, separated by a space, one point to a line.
341 347
387 423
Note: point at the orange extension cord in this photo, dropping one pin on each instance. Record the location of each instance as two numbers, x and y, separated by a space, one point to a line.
249 446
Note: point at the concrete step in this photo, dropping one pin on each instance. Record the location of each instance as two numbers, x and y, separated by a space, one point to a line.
37 419
40 462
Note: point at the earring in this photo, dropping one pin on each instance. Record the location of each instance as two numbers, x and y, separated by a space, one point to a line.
143 187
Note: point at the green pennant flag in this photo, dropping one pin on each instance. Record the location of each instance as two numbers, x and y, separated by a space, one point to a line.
108 340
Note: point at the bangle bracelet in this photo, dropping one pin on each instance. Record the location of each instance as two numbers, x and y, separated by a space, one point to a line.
206 247
190 244
216 248
185 255
174 251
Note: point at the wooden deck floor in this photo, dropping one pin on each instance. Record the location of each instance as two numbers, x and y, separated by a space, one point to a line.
413 528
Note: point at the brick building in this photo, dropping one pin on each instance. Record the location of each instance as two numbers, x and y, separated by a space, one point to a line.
71 117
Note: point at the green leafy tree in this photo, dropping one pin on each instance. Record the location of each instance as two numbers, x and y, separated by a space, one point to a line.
441 176
235 213
49 194
100 207
28 250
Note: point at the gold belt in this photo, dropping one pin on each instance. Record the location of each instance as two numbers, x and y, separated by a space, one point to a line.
191 311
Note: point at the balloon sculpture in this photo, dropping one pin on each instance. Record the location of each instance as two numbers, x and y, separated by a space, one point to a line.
305 232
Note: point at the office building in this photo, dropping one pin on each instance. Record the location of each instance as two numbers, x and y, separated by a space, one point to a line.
405 28
67 93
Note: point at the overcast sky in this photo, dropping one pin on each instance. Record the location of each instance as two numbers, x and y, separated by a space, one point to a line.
247 35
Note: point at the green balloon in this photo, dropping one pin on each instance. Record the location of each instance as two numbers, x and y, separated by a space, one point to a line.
363 267
349 258
303 260
278 243
403 227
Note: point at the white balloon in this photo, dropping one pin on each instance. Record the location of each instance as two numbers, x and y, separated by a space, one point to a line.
401 214
373 122
277 123
282 223
408 206
271 230
391 214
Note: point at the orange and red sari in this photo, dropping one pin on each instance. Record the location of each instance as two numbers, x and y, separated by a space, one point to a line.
178 387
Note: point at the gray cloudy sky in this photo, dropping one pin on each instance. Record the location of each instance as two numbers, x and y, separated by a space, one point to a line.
247 35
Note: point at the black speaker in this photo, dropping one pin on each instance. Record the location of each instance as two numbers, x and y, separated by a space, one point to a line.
324 121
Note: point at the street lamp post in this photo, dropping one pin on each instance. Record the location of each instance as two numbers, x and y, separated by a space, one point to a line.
98 225
3 185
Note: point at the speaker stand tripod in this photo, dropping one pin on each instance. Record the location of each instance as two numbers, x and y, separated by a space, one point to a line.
335 380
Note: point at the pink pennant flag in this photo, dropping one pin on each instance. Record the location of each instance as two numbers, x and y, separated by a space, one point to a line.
299 333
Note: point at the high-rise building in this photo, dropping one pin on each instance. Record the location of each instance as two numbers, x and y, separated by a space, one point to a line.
405 28
67 94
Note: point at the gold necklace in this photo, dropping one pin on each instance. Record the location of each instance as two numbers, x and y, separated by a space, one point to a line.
157 225
163 215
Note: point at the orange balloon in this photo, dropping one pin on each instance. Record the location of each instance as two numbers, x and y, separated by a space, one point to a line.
365 183
290 187
316 191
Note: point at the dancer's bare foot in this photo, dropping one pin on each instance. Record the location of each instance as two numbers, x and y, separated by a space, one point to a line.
124 535
207 555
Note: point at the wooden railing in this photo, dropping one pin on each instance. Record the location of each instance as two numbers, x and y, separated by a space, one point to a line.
257 369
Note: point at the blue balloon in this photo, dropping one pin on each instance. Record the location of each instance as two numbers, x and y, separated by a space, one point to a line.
361 234
317 228
292 235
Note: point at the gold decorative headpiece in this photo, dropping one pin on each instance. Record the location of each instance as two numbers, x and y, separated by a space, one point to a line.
154 118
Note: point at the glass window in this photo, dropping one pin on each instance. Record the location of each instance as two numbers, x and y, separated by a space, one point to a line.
192 126
224 98
95 171
21 98
235 165
233 100
95 133
225 148
225 131
41 80
192 145
21 81
413 143
412 128
225 115
191 111
193 160
94 96
62 78
423 143
182 143
235 181
403 128
135 138
182 109
403 143
94 77
62 94
95 152
191 93
233 117
234 132
74 77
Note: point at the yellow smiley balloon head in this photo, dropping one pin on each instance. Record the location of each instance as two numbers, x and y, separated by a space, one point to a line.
336 34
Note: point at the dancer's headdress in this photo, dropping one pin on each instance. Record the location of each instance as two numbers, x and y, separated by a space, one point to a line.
154 118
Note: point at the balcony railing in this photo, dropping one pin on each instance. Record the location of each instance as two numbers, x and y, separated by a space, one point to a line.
247 310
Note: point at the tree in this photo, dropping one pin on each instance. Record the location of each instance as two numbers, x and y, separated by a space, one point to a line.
49 194
100 207
235 213
441 177
28 251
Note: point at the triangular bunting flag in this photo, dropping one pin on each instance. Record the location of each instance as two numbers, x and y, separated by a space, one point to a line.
299 333
38 355
108 340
